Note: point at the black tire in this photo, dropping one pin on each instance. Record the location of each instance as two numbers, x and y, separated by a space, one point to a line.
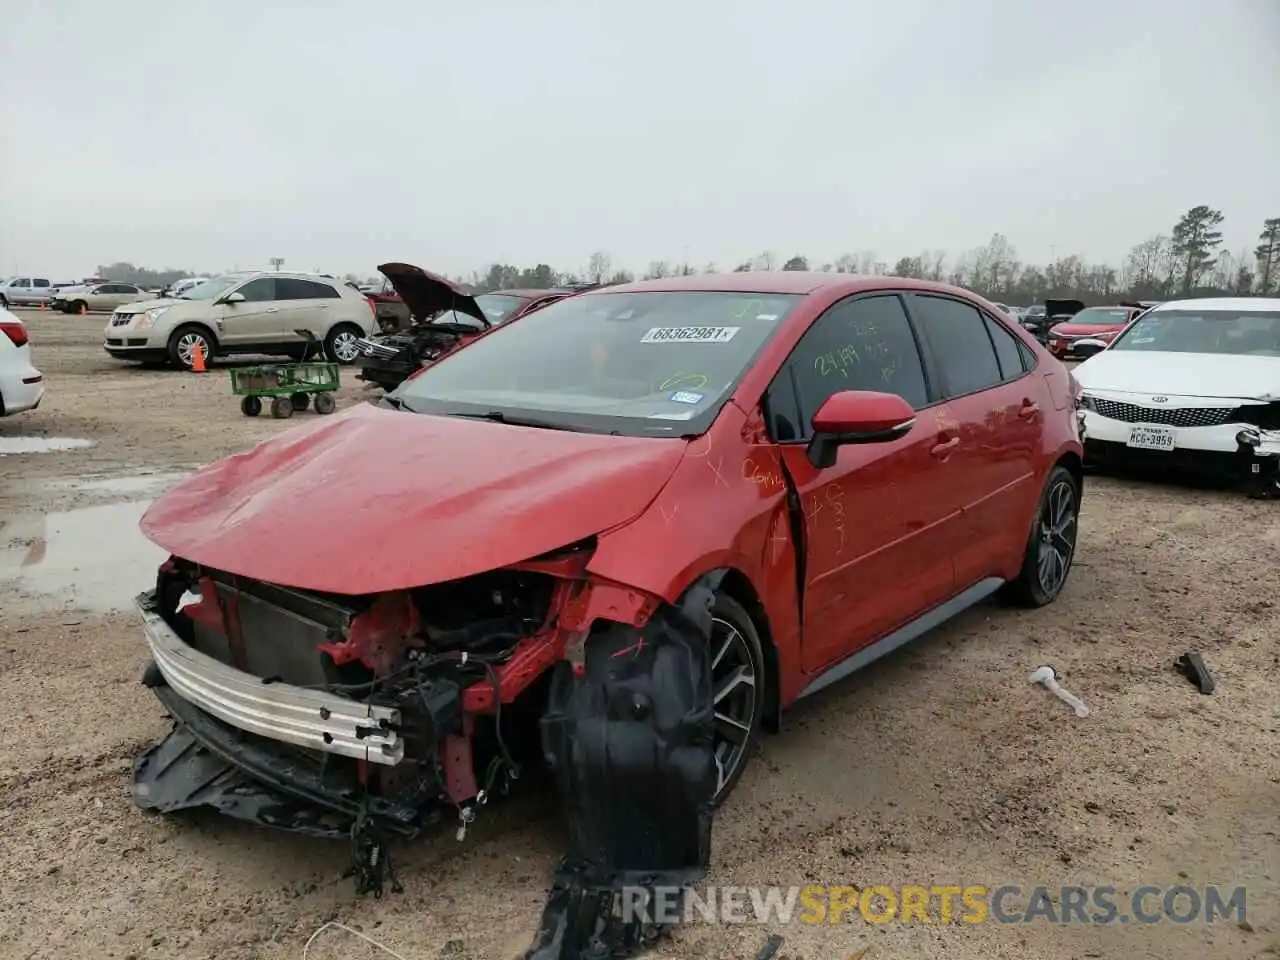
301 401
251 406
4 303
76 306
182 340
282 408
325 403
339 344
744 651
1056 530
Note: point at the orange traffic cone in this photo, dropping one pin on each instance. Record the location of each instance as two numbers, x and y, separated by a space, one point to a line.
197 358
84 309
43 306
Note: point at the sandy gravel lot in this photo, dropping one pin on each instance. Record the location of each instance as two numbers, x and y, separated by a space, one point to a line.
938 765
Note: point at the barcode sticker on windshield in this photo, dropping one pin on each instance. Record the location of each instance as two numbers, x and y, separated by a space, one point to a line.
690 335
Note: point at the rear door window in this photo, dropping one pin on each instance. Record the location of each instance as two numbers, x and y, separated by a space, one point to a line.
957 334
1007 352
291 288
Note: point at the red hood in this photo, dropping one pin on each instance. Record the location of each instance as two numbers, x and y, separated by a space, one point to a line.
376 500
1086 329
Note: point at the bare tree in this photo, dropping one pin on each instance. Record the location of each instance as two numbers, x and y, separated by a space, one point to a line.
767 260
846 263
657 270
598 267
277 263
995 266
1147 266
934 263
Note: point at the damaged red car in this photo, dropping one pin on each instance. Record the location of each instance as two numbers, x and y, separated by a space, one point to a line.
641 521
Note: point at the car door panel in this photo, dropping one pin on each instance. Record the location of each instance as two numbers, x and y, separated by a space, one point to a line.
874 525
305 305
251 321
992 409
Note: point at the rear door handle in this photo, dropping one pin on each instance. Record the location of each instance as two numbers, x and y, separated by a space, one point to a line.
944 448
1028 409
272 309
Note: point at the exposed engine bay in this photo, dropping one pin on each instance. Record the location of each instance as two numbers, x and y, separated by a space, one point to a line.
375 717
388 359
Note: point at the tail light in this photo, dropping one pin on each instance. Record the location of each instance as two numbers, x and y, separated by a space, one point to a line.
14 331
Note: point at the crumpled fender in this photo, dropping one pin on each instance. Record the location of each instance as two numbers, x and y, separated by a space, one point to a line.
629 742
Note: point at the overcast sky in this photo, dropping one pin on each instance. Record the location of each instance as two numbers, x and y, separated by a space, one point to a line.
340 135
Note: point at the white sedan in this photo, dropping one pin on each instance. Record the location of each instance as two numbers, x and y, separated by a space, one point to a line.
1190 383
21 384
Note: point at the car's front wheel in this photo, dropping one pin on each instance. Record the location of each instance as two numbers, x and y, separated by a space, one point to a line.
183 343
341 345
1051 547
738 691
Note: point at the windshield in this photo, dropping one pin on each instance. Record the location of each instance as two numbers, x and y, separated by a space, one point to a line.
210 289
630 363
1236 332
1102 316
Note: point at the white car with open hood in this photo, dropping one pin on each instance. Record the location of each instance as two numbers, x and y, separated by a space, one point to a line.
1190 384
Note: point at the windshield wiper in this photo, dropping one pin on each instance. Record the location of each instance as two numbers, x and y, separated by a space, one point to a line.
497 416
395 403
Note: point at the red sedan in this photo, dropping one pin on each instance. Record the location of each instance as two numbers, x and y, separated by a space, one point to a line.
1092 323
644 513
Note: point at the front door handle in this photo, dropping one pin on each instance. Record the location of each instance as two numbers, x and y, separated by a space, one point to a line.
944 448
272 309
1028 409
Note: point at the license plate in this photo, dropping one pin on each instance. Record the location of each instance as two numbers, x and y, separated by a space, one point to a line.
1144 437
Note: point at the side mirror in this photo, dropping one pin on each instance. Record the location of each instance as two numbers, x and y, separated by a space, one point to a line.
857 416
1088 347
233 298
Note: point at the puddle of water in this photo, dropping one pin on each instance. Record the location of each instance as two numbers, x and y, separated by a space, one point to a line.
11 445
131 484
93 559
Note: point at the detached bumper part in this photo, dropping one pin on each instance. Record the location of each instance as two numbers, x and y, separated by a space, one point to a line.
1260 450
630 745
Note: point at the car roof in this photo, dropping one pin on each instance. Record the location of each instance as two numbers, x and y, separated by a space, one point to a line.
526 293
775 281
1237 304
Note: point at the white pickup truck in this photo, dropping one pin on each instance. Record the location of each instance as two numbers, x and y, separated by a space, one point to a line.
25 291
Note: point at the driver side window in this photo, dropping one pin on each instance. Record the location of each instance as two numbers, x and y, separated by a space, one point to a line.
861 343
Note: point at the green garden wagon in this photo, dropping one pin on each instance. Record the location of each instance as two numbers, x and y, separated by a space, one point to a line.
290 386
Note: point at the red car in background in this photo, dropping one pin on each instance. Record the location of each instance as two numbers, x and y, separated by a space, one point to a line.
652 516
1092 323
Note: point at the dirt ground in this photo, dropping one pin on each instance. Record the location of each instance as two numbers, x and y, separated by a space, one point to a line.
941 764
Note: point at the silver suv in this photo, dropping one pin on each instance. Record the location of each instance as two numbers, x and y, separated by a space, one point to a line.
257 312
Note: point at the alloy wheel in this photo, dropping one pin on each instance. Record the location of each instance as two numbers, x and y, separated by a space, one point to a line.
1057 536
736 699
187 347
345 347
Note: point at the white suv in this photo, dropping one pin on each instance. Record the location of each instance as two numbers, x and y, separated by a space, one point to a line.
257 312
